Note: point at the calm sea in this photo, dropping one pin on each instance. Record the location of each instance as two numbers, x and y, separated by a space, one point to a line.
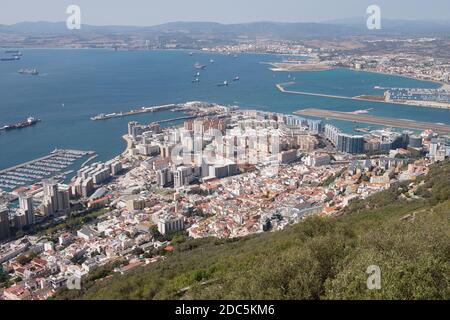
77 84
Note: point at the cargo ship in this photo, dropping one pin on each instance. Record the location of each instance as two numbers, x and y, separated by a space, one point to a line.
223 84
14 52
22 124
32 72
14 58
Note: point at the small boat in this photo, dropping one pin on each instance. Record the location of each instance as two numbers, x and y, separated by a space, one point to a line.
361 130
200 66
211 61
236 78
224 84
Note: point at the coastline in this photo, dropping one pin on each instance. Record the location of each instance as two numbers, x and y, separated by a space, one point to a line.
49 133
278 68
285 67
443 85
281 88
129 144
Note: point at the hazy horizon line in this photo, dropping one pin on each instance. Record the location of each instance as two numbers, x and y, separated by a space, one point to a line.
328 21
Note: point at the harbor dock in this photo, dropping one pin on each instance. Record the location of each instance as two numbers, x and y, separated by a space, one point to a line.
103 116
281 88
367 98
32 171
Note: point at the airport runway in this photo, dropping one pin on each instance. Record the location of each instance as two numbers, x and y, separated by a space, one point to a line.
389 122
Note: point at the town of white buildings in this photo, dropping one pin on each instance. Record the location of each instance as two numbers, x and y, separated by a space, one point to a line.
236 173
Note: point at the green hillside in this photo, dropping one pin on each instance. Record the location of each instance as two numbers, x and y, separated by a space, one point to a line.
405 231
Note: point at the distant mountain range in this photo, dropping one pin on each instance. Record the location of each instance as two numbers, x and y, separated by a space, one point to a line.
394 27
267 30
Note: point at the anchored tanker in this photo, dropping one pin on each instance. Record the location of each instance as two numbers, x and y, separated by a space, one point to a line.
22 124
32 72
14 52
14 58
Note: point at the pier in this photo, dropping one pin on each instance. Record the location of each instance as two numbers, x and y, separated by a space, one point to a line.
376 99
32 171
281 88
134 112
397 123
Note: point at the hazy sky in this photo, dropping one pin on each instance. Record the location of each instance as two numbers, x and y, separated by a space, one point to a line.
150 12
